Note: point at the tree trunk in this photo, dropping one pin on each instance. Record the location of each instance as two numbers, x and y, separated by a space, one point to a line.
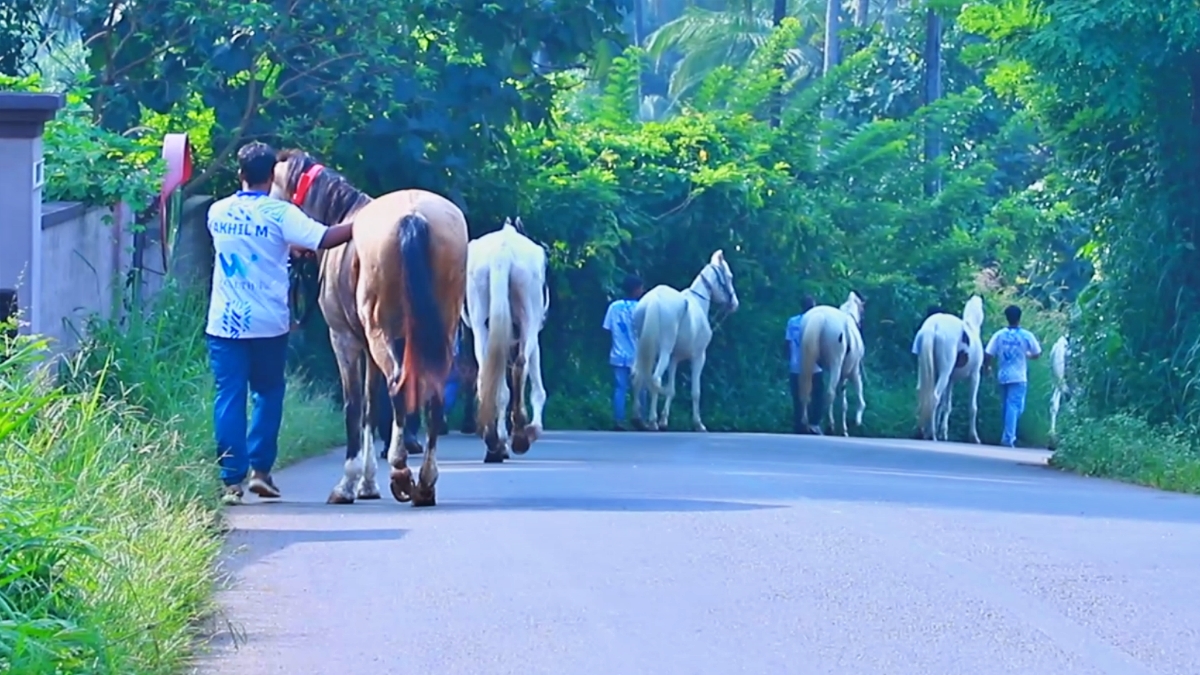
833 14
861 10
639 34
891 17
933 91
779 12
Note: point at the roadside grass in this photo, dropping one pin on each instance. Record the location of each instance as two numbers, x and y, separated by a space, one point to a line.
1129 449
110 526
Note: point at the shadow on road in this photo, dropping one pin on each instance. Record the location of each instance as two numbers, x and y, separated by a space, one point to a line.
246 547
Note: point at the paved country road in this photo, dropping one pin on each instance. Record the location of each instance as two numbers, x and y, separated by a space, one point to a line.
689 554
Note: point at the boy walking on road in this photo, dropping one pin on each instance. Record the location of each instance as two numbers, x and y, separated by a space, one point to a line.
791 351
619 322
1012 346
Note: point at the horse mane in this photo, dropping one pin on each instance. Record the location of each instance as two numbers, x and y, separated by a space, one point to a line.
331 198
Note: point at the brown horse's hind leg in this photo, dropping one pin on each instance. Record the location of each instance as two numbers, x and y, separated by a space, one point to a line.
349 354
425 493
386 358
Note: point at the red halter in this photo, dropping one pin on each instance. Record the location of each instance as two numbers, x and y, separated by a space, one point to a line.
306 180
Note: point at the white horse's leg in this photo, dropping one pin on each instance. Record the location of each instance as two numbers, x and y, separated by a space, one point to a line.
697 371
664 418
862 402
537 394
661 363
949 406
845 407
974 405
348 353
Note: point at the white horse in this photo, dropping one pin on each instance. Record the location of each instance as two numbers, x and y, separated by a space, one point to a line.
949 350
672 326
1058 369
507 302
832 337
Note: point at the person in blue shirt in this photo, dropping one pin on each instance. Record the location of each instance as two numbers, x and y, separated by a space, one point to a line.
1012 346
619 322
791 351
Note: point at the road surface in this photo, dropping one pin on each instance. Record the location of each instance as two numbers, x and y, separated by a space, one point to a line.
689 554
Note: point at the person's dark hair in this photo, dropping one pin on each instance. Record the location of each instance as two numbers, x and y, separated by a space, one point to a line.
807 303
631 283
1013 314
256 163
934 309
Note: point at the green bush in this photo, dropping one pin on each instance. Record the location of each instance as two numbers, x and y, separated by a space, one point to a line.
110 518
1131 449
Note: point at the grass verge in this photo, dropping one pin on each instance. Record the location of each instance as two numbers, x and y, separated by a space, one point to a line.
1128 448
109 522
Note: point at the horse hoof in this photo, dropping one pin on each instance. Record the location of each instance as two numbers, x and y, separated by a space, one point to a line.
493 458
368 491
700 428
520 443
425 496
336 497
402 484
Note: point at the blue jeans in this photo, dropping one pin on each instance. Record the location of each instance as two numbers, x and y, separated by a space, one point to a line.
258 363
1013 398
621 375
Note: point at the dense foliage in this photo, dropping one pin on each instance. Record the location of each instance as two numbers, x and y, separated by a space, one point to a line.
1040 152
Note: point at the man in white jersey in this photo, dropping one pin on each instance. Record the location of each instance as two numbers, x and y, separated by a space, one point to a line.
249 320
1012 346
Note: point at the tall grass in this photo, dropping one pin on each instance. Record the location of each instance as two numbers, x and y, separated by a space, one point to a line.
109 518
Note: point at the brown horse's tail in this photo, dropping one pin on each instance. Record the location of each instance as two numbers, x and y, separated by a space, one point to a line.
425 347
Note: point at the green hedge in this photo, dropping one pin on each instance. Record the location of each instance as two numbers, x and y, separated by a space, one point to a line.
109 518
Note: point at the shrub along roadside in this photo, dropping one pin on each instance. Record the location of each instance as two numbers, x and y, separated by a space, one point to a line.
109 519
1129 449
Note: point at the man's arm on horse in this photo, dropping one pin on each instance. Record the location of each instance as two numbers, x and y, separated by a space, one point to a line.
303 232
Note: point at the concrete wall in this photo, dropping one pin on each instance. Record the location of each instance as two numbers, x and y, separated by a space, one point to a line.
87 253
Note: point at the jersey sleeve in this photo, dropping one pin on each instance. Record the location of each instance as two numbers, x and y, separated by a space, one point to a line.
990 350
608 317
916 348
1035 347
298 229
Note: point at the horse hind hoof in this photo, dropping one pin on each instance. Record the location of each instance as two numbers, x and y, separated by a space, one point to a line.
425 496
493 457
402 484
336 497
520 443
368 492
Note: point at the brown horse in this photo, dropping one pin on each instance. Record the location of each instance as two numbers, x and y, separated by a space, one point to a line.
391 298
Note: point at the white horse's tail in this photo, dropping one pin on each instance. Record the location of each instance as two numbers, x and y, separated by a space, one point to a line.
927 378
499 337
646 351
810 349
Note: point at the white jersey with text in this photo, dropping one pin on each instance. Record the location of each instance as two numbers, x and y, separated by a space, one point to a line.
251 233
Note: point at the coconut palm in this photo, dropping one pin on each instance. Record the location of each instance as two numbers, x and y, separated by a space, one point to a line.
704 39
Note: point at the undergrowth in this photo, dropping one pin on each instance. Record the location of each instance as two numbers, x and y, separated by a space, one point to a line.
1128 448
109 519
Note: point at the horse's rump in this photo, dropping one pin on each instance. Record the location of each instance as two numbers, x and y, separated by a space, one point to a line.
411 258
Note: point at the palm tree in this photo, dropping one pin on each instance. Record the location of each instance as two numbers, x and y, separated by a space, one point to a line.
705 39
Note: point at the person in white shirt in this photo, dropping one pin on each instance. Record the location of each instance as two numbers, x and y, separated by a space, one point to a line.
1012 347
249 320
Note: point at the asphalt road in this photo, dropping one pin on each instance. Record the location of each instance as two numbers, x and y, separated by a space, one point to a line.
665 554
